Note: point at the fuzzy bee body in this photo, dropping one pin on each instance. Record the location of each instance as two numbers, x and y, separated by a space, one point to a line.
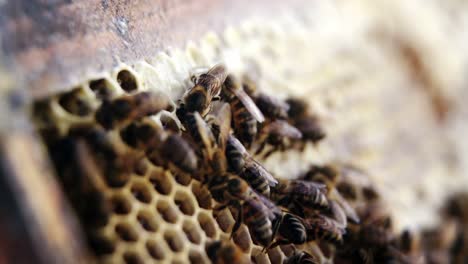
207 86
258 221
235 156
176 150
310 129
224 252
292 230
241 163
308 124
199 131
289 193
245 113
324 228
245 125
258 182
271 107
257 212
330 176
162 145
125 109
277 134
219 122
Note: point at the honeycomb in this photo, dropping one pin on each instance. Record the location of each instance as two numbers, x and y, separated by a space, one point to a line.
160 215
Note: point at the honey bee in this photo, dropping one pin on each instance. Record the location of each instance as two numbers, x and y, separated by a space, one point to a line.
176 150
308 124
224 252
207 86
160 145
244 165
326 174
302 257
169 123
245 114
348 190
323 228
115 162
297 230
258 213
329 175
219 120
199 131
299 194
291 230
277 134
298 108
370 194
127 108
271 107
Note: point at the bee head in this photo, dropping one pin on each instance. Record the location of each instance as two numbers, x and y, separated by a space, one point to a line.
297 107
196 101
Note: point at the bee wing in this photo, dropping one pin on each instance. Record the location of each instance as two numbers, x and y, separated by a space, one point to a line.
249 104
263 172
283 128
205 133
238 145
223 117
218 71
338 214
347 209
304 187
272 209
217 75
274 101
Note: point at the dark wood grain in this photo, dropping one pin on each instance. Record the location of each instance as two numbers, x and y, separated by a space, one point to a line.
54 44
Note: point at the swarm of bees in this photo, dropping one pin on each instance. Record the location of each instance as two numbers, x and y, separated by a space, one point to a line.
224 125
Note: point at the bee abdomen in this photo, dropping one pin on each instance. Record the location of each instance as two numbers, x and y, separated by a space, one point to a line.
261 230
245 125
176 150
126 109
196 100
324 229
247 130
293 229
269 107
235 159
256 181
317 200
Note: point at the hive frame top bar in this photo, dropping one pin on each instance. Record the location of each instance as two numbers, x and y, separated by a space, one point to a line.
53 45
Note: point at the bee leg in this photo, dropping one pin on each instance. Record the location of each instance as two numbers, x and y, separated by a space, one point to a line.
271 151
216 98
278 242
239 219
261 148
220 207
